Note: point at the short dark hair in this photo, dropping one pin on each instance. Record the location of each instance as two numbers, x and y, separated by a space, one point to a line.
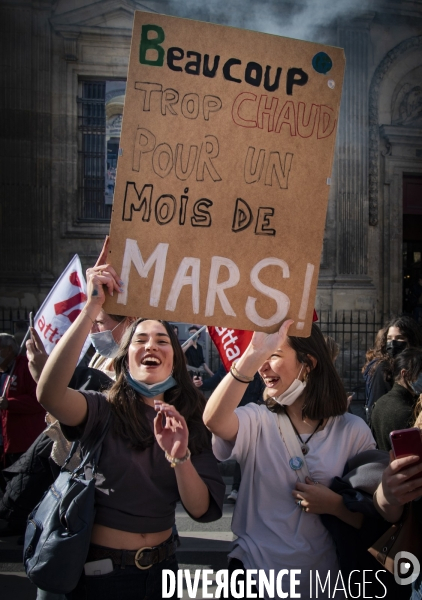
411 361
194 327
324 393
117 318
131 422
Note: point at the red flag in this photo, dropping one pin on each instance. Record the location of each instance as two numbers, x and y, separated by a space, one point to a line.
230 343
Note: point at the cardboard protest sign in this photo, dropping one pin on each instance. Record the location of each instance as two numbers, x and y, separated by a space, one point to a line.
61 307
222 184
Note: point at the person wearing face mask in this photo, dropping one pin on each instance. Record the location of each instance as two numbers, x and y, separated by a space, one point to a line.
106 334
395 410
392 339
276 518
156 451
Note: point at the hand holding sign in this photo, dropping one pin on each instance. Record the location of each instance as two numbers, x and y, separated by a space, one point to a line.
265 344
102 274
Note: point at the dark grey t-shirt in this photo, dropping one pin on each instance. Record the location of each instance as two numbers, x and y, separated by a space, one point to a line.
136 490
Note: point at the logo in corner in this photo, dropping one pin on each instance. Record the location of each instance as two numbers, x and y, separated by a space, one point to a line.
406 568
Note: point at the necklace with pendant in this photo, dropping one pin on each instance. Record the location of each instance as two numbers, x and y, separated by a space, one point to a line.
304 445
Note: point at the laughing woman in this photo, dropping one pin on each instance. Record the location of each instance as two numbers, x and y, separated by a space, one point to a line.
156 424
276 519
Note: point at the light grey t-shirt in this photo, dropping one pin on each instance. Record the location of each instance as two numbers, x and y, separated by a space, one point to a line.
273 532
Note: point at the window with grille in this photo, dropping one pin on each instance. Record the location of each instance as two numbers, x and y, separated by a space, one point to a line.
100 107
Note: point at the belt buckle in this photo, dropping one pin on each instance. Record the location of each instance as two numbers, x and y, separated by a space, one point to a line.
138 555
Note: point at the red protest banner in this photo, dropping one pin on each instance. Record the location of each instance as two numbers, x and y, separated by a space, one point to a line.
230 343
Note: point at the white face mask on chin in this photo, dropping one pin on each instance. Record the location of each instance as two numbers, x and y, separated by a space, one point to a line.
293 391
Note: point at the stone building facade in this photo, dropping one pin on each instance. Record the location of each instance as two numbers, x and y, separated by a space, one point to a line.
64 65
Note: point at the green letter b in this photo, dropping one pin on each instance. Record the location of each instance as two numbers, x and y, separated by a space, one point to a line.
154 44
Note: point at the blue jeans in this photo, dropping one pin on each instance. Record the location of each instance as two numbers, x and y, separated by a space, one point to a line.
128 583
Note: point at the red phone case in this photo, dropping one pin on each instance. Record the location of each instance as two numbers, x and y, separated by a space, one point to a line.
407 442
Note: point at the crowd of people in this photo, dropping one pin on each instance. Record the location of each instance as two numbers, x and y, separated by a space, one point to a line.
281 412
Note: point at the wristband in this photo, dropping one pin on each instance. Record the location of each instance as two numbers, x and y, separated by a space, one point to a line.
238 376
177 461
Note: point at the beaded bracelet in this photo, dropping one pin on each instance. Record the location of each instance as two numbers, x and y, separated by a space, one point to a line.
177 461
239 376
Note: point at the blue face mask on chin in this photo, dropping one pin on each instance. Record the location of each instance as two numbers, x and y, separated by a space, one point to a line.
150 391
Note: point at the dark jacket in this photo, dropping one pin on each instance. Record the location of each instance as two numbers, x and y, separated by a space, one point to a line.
377 383
392 411
253 392
27 480
361 477
30 476
24 418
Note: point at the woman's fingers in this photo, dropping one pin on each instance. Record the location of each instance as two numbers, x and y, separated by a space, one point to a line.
37 340
104 275
283 331
401 463
104 252
159 424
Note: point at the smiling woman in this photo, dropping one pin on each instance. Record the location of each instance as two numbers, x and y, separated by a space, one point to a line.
276 519
157 450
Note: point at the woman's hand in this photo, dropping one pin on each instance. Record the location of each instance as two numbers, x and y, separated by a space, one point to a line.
102 274
316 498
36 355
266 343
397 487
170 429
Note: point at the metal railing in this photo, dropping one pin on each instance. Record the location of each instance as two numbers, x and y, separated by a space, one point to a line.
354 332
15 320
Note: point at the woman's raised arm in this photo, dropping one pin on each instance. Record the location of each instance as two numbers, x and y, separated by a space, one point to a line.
67 405
219 415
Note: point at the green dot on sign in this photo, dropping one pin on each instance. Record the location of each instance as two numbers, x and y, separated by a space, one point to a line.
322 63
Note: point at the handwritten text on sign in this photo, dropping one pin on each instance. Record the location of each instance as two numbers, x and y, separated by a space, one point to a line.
221 190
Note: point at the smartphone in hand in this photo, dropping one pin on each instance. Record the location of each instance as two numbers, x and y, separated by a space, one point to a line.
407 442
31 322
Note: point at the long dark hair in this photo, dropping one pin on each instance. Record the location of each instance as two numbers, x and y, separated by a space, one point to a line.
130 421
324 393
410 330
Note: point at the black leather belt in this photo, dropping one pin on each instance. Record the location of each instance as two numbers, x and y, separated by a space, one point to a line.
143 558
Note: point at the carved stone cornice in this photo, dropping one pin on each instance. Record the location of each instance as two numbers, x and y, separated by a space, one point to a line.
399 135
381 71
